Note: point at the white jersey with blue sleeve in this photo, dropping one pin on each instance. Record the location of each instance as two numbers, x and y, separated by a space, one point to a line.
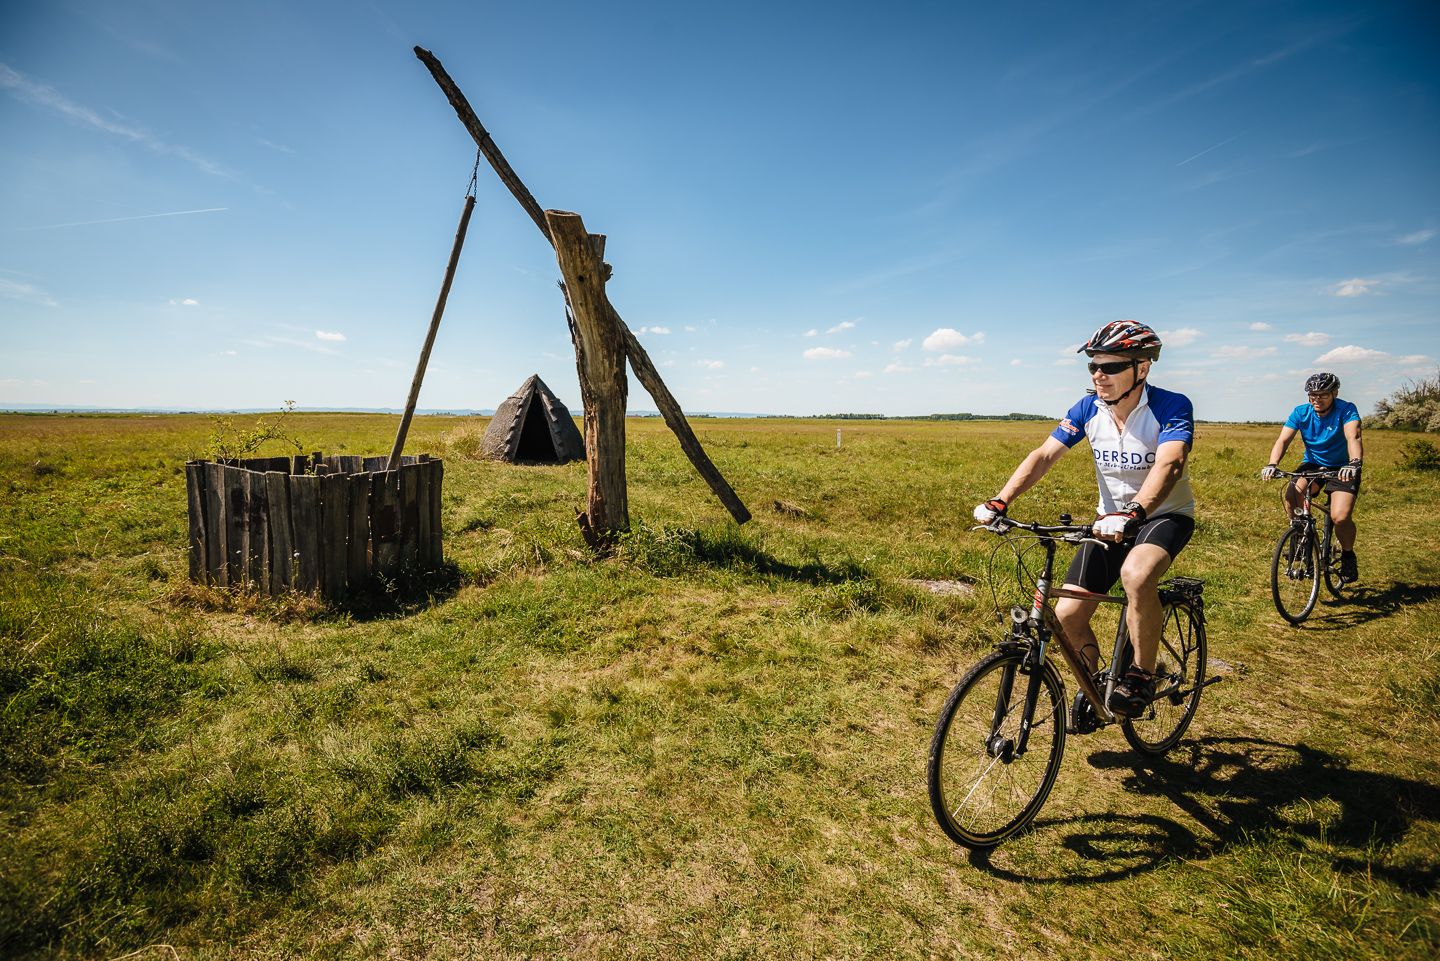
1123 458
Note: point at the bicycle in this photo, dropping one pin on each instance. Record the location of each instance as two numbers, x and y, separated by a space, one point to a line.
1001 734
1303 555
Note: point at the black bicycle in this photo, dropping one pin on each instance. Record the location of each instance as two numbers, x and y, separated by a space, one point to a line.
1305 555
1001 734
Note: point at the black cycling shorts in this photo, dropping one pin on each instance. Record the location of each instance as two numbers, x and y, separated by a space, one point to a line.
1331 484
1096 569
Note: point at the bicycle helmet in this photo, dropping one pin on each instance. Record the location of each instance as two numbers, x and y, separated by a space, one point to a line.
1127 337
1322 383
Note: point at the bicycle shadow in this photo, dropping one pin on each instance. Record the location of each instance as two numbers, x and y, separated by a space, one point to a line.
1363 604
1233 788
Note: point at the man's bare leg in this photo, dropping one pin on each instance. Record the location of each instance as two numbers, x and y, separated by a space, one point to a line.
1141 573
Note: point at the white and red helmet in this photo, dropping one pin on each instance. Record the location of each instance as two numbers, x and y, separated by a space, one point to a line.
1125 337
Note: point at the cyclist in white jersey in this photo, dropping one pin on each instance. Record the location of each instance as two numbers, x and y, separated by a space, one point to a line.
1140 437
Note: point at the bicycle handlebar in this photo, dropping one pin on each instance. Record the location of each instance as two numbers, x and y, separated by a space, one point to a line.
1332 472
1070 533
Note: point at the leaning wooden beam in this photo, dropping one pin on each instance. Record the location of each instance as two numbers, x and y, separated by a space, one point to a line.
645 371
600 356
394 463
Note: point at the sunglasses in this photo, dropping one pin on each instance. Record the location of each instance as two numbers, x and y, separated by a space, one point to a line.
1112 367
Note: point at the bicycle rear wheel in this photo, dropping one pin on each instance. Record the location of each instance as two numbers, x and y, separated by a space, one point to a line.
1335 583
1180 679
982 789
1294 574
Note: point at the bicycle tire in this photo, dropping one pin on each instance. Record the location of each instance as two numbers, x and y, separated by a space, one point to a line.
1295 574
1180 673
968 754
1335 583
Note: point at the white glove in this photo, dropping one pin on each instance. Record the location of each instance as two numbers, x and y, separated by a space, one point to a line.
1349 472
1112 526
986 513
1270 472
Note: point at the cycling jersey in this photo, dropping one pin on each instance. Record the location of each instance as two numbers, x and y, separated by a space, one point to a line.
1123 458
1324 435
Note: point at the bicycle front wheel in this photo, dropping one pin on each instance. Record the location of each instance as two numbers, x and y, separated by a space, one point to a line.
1179 680
1295 575
1334 582
983 787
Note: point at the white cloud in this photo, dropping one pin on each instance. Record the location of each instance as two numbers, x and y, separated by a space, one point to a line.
331 335
1312 339
864 374
1410 360
1237 352
1354 287
232 353
1260 325
184 302
690 328
1182 337
755 370
1065 362
29 293
1418 237
843 325
948 338
825 353
41 95
902 344
652 330
1351 354
711 364
1016 362
812 332
897 369
949 360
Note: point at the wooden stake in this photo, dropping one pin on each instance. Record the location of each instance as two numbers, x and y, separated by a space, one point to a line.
430 336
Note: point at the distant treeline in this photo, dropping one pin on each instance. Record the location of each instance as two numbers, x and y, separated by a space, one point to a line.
1012 416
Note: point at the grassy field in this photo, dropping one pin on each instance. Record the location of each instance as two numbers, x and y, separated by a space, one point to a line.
711 745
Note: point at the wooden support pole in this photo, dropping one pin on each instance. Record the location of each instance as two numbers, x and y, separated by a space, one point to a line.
640 361
430 336
601 362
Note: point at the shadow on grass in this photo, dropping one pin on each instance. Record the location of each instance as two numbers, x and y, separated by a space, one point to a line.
1237 788
1363 604
406 593
675 550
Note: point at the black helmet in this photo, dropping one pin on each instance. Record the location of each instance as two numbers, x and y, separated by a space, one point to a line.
1322 383
1125 337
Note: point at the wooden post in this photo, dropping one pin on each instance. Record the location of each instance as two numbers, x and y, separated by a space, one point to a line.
257 541
437 540
385 522
430 335
600 355
218 531
335 524
195 498
282 553
644 370
357 566
237 522
305 509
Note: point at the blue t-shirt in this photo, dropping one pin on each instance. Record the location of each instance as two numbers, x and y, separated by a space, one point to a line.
1324 435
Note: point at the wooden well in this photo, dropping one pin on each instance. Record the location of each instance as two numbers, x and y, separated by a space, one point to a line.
321 525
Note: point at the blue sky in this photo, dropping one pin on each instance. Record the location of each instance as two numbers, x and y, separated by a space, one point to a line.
905 209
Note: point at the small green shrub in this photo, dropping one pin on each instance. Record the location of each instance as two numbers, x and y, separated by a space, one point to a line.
1420 455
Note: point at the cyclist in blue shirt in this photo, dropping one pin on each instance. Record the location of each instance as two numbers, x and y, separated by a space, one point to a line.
1330 429
1140 437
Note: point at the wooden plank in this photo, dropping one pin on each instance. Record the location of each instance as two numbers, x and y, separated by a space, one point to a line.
351 464
437 551
257 544
217 530
385 522
374 464
300 464
305 514
358 561
409 517
422 516
335 526
237 523
321 469
195 501
282 554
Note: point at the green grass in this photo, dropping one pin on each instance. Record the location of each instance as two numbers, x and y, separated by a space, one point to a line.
709 745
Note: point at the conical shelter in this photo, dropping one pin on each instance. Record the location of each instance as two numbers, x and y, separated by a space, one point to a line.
533 426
